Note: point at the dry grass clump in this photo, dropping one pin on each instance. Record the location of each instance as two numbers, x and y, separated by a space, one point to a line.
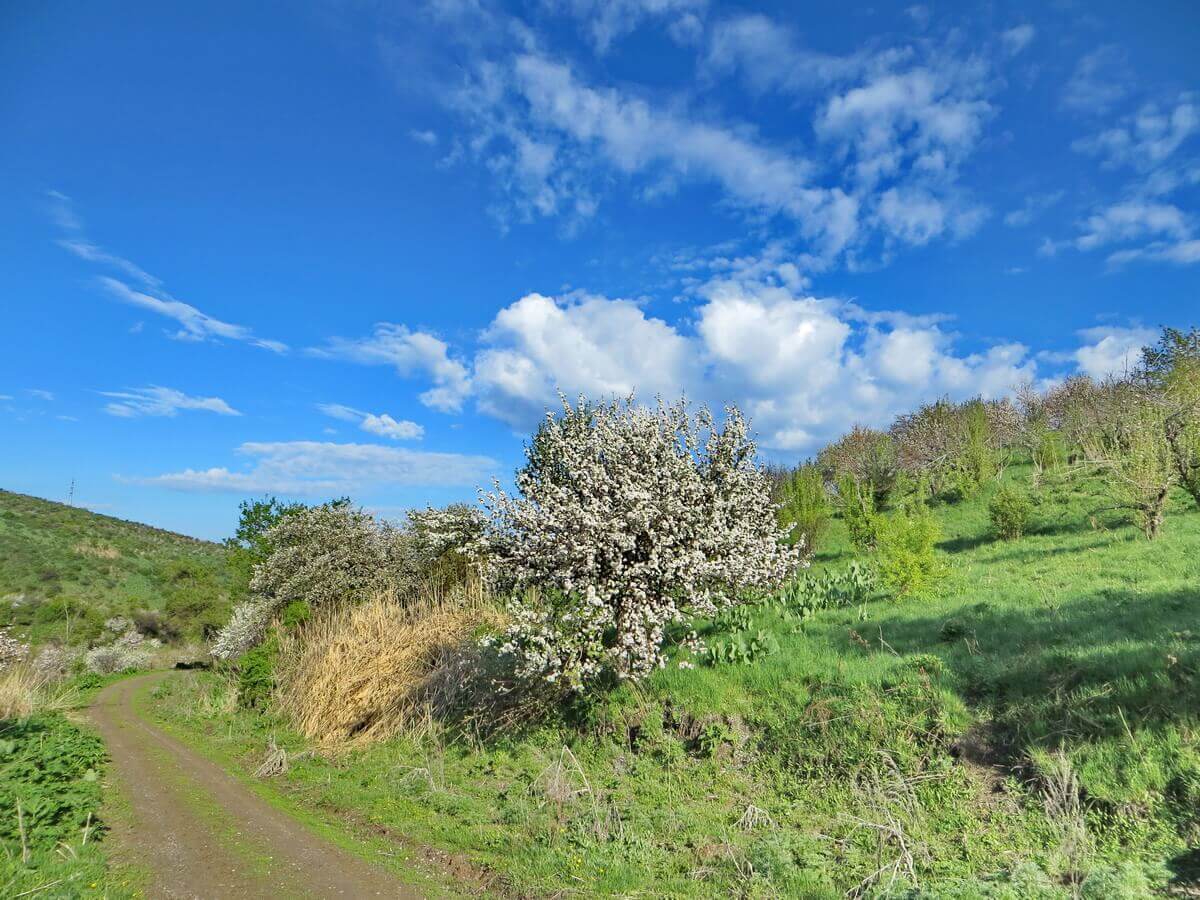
366 672
20 691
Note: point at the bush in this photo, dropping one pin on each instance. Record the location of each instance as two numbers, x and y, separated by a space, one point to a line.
1009 511
126 653
857 504
866 455
804 506
956 447
256 675
626 523
905 552
322 555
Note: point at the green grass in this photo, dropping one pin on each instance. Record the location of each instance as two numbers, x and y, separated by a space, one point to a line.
908 744
64 570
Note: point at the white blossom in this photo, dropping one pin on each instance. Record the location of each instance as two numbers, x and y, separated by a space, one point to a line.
628 520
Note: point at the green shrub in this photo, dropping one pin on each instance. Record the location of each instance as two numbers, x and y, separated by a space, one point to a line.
804 504
905 552
1009 512
256 675
1049 452
857 503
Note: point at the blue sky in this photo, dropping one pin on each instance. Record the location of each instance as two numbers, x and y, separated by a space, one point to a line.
354 248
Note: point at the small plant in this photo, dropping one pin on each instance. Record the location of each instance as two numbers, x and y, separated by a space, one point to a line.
1009 511
742 647
905 552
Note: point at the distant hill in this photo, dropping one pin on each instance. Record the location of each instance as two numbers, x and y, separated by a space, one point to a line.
64 570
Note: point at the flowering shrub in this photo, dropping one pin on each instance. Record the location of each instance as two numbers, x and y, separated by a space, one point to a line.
128 652
628 519
324 555
11 650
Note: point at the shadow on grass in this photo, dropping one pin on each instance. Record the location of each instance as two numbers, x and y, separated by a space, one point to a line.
1096 667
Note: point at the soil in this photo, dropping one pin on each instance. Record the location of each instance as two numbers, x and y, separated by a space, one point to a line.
203 834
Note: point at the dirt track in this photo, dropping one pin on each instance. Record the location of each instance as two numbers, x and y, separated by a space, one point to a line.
203 834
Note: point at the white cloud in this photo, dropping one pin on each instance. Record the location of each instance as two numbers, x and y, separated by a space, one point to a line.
410 353
1111 351
196 325
803 368
770 57
312 468
1017 39
1098 81
62 211
385 426
601 347
379 424
424 136
929 117
40 394
161 401
1131 220
88 251
634 137
1146 139
1181 253
1032 208
608 20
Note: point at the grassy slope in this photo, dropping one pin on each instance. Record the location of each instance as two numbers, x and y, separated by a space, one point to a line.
911 738
63 570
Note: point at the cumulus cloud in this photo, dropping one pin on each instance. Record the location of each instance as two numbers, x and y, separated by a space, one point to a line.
804 368
161 401
409 353
1111 350
582 343
380 424
312 468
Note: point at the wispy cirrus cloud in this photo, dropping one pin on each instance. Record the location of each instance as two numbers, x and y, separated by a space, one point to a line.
161 401
314 468
150 294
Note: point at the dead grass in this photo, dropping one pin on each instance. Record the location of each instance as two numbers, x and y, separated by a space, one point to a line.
20 691
367 672
100 551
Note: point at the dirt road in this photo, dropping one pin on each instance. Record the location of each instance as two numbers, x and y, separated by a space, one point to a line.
203 834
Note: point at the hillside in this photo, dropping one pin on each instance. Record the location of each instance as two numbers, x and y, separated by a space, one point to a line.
64 570
1027 730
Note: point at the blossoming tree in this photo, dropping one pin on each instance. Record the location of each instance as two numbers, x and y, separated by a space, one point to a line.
628 519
